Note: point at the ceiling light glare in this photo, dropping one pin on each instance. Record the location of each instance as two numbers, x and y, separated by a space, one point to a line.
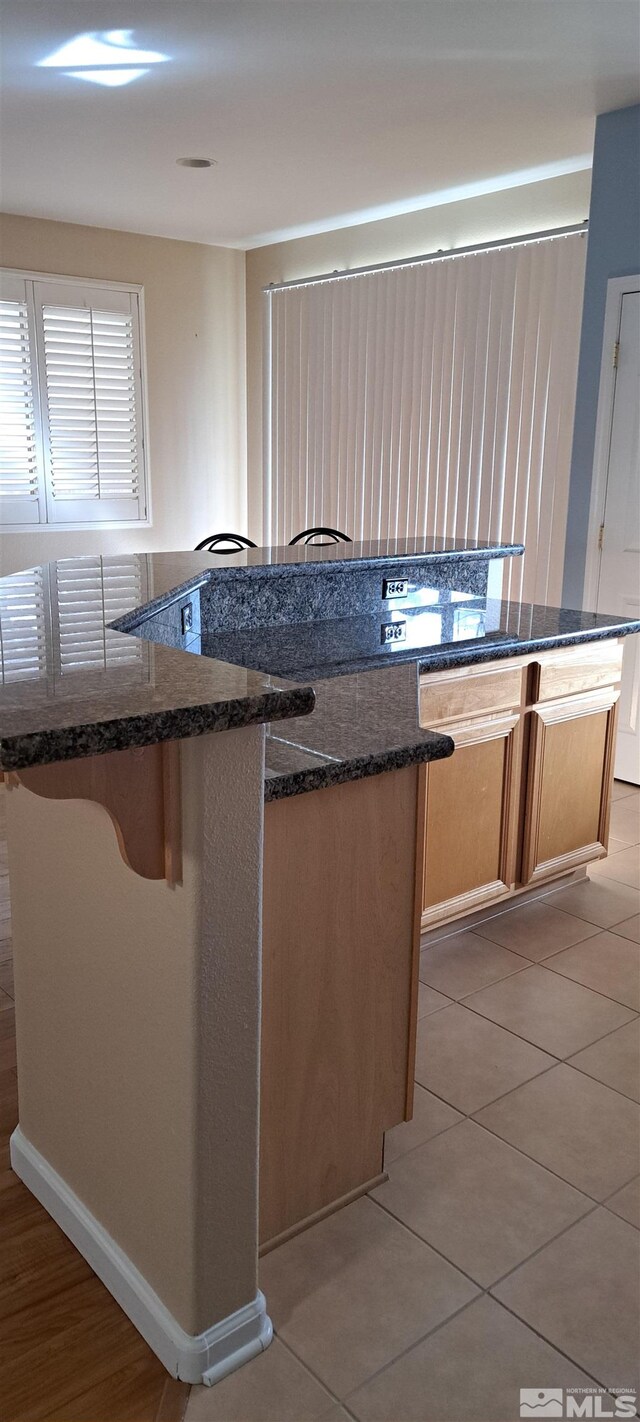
107 57
111 78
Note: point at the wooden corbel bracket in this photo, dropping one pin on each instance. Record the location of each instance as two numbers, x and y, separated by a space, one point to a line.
140 789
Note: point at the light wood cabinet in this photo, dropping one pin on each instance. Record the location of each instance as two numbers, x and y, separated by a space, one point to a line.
526 795
455 697
341 944
471 807
572 671
350 874
569 783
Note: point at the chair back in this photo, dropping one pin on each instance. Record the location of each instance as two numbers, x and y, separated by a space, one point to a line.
328 536
236 542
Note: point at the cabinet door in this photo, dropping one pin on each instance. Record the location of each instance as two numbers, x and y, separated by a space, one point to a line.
340 946
569 783
471 819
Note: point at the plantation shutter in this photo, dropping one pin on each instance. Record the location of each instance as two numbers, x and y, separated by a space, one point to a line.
89 366
21 488
89 594
52 623
23 649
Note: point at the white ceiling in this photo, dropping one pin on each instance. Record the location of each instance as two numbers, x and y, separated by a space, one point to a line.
318 112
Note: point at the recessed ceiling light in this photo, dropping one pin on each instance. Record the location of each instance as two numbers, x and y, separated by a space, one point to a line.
196 162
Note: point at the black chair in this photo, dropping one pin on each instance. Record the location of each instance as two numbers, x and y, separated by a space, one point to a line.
236 540
331 535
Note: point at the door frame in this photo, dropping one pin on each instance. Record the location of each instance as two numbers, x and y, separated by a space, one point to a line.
617 287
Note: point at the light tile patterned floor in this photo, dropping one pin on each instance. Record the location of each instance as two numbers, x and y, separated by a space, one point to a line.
504 1250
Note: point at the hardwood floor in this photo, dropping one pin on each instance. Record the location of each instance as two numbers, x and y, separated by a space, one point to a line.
67 1351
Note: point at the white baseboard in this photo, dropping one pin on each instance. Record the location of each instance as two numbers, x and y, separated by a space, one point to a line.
203 1358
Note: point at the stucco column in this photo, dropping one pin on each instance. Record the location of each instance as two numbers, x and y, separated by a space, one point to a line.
138 1030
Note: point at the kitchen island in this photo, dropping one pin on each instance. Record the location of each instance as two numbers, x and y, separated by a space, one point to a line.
165 914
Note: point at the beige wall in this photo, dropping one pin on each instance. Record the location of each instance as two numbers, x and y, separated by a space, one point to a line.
195 341
558 202
138 1024
205 462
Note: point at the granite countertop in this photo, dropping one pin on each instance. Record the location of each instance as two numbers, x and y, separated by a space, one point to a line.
392 550
360 708
516 628
73 686
170 572
453 629
361 724
167 695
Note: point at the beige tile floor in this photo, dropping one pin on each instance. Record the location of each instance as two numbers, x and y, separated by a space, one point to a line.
504 1249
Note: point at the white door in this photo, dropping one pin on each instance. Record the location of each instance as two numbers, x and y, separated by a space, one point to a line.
619 581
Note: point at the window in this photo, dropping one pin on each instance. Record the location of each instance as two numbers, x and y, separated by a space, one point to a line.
433 397
71 404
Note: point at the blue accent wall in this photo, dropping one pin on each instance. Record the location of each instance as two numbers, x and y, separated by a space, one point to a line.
613 250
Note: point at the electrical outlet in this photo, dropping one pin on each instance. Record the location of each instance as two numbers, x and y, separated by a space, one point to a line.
393 632
186 618
395 587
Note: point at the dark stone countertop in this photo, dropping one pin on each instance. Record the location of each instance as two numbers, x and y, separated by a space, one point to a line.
456 630
72 686
307 754
519 628
243 576
361 724
167 695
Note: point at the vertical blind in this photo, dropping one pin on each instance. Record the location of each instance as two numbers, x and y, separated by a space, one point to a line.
435 397
71 448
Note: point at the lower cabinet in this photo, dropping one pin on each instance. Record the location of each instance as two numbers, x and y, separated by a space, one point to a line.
471 815
569 783
352 870
526 795
341 945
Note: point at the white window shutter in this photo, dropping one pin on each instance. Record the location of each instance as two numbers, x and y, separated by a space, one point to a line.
23 644
89 594
21 487
89 363
54 623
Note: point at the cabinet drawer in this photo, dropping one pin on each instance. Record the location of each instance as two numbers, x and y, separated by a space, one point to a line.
575 669
468 694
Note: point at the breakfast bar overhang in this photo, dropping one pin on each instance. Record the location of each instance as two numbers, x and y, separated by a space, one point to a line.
217 863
